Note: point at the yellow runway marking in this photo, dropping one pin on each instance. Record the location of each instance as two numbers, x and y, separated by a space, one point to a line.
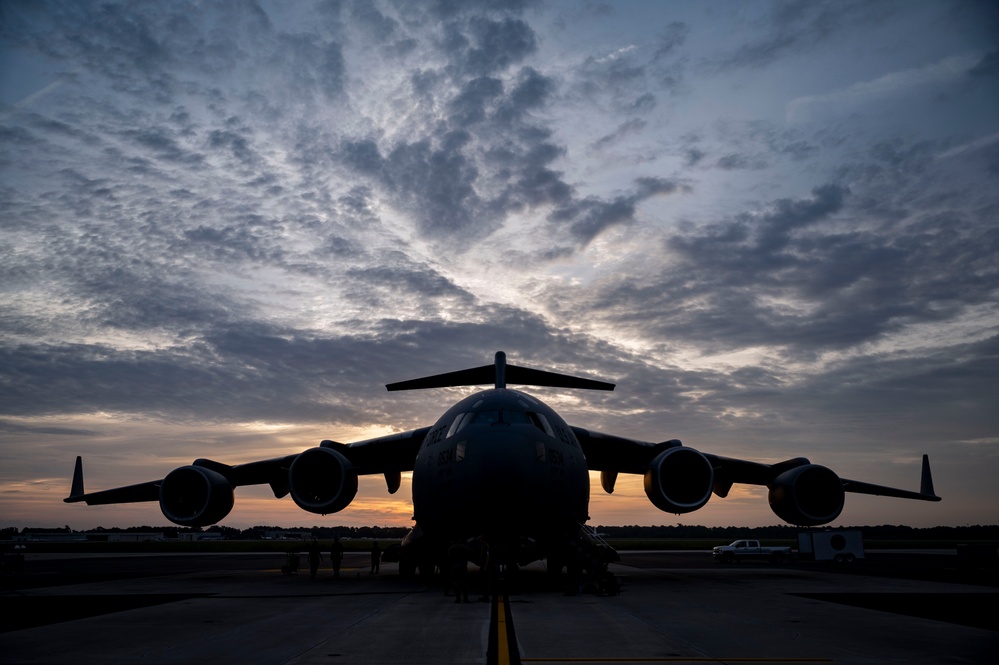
503 644
502 649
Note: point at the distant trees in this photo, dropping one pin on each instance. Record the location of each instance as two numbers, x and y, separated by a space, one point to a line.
789 532
679 531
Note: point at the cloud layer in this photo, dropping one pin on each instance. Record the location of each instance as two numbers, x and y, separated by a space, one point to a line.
773 227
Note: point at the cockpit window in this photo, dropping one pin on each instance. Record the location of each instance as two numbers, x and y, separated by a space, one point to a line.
541 423
463 420
457 424
516 418
487 418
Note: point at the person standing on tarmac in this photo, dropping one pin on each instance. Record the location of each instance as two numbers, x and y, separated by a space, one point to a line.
315 557
376 557
457 561
336 556
485 570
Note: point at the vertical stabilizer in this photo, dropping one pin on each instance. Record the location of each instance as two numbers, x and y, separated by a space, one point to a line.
500 370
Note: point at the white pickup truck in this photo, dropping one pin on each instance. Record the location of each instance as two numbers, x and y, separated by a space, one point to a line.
749 549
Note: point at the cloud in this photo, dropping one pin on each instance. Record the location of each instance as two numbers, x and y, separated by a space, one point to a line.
615 77
948 70
693 156
790 28
16 428
790 278
221 215
633 126
987 67
735 162
482 46
977 144
759 53
671 39
397 275
469 107
746 146
587 219
532 90
367 16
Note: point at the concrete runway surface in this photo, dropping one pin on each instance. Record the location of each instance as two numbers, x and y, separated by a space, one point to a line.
674 607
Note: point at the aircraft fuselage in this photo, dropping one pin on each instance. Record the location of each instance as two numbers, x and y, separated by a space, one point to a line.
503 465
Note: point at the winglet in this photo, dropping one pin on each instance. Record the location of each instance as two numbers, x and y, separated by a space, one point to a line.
926 478
76 492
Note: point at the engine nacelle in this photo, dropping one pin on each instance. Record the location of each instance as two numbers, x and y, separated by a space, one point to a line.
195 496
679 480
807 495
322 481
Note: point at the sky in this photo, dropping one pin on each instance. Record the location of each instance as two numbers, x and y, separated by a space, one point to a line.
225 226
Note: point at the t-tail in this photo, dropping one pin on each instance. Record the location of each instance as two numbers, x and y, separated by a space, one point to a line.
501 374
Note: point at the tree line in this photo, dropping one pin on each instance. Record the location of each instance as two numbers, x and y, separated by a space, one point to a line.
789 532
679 531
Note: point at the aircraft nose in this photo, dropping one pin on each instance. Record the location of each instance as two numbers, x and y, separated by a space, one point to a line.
501 481
504 455
509 483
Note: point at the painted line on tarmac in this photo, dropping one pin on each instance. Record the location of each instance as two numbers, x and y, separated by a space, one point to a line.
502 648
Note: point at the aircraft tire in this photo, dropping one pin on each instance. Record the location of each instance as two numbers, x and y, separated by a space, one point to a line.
407 569
426 569
553 569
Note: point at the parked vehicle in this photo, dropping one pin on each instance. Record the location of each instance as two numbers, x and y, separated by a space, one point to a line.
749 549
839 545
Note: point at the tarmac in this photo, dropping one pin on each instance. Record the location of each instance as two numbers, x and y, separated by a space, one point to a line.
672 607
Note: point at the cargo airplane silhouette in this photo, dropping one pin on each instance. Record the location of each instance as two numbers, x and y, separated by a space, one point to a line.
500 467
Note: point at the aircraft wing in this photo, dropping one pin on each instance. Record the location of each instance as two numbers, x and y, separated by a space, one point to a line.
680 479
606 452
389 455
393 452
131 494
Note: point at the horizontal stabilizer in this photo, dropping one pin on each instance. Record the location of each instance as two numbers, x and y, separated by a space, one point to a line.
535 377
500 374
466 377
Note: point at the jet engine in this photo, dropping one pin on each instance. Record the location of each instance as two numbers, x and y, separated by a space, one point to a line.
807 495
679 480
195 496
322 481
